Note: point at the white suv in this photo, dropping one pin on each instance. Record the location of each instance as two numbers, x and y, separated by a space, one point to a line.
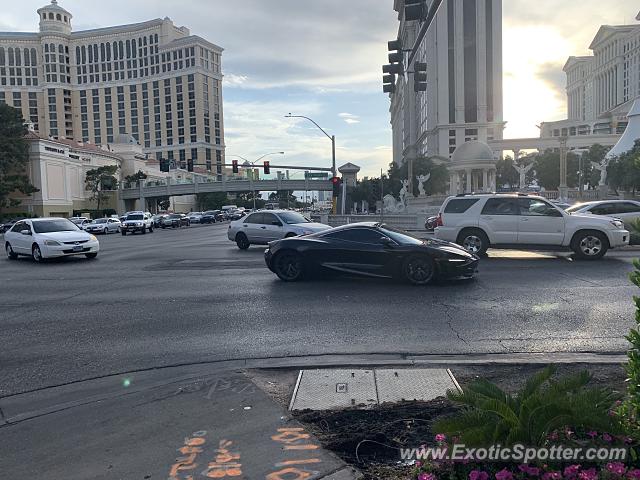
478 222
137 222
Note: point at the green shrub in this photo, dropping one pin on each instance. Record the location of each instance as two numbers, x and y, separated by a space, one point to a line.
630 409
544 405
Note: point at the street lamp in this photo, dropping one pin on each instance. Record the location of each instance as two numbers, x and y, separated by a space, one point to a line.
250 164
330 137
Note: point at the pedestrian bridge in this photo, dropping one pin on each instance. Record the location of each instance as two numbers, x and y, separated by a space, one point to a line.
544 143
171 188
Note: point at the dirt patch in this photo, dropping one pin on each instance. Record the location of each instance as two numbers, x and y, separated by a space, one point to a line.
371 439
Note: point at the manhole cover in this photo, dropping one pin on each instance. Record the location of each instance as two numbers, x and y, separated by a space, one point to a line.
328 389
336 388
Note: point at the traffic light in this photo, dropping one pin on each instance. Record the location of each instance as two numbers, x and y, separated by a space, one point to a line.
419 77
415 10
190 165
234 166
394 67
267 168
164 165
337 184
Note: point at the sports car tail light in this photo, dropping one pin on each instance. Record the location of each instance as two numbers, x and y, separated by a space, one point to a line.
439 222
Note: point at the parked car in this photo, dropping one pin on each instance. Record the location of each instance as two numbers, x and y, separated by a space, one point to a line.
212 216
263 227
194 217
78 220
431 223
175 220
82 225
157 219
137 222
625 210
370 249
42 238
560 204
103 225
236 214
478 222
6 226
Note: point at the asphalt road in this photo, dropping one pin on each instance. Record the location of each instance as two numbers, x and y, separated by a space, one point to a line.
175 297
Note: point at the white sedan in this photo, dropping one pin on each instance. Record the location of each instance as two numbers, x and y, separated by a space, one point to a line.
42 238
625 210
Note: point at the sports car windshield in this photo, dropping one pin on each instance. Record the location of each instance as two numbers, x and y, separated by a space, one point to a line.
50 226
400 237
293 218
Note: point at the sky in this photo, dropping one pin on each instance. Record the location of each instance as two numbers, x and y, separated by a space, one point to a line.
322 59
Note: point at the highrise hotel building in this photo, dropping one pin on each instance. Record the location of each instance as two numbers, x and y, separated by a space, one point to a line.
601 87
151 80
463 101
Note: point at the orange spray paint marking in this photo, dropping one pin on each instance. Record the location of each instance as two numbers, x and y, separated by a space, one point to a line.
226 464
286 474
190 450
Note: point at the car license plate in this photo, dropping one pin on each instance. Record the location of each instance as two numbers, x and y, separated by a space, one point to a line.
77 248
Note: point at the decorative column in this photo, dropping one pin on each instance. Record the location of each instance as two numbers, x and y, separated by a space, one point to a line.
469 186
563 188
453 183
485 180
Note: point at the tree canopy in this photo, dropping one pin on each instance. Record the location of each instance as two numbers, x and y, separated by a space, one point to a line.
99 180
14 158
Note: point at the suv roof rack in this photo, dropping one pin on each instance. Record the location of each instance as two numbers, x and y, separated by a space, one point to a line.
520 194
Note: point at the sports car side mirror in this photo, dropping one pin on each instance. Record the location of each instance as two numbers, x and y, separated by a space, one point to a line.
386 241
25 232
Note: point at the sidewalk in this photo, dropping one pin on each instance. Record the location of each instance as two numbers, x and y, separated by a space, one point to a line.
189 423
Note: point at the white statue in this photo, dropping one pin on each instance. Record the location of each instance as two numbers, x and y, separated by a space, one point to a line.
392 206
602 167
404 191
523 173
421 180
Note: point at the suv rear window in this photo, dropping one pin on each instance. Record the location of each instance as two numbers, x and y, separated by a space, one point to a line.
460 205
500 206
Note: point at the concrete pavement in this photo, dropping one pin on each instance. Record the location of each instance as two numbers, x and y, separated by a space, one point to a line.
182 423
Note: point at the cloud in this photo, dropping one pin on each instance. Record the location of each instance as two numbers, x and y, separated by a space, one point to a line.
349 118
232 80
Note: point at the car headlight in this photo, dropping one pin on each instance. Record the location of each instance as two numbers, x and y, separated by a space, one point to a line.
52 243
93 238
617 223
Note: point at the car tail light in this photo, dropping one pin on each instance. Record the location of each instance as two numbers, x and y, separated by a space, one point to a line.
439 222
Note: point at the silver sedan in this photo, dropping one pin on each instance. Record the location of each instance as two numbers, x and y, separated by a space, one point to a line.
103 225
260 228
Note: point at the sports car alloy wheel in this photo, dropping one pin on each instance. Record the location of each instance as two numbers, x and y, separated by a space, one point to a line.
288 266
419 270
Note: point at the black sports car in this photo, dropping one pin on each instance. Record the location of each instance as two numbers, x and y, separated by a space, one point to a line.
371 249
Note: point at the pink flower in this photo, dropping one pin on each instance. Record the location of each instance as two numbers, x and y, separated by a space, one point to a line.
607 438
617 468
634 474
426 476
571 471
533 471
592 434
478 475
552 476
504 474
553 436
418 463
441 437
590 474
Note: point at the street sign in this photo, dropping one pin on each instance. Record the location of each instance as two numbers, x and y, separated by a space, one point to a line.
320 175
